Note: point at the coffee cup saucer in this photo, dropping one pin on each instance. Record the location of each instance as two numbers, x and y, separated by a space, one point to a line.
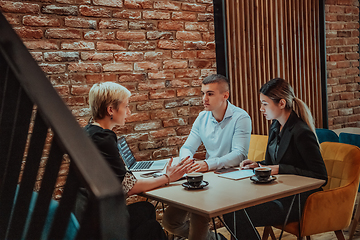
188 186
256 180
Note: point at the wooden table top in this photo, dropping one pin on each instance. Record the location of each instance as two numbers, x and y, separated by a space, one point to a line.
225 195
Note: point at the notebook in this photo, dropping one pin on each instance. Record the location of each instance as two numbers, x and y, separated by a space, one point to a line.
131 162
236 175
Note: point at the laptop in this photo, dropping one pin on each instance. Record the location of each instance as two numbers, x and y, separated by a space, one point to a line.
131 162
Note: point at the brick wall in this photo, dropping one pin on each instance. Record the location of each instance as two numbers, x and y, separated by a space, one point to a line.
342 39
160 50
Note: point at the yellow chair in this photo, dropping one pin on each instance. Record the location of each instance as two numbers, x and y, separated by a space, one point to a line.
331 209
257 147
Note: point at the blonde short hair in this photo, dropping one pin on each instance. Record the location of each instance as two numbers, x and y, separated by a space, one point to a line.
102 95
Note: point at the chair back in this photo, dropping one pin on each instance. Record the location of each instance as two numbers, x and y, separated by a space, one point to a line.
257 147
350 138
332 209
326 135
36 130
342 163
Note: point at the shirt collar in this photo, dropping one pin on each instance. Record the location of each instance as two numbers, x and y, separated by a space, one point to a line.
228 113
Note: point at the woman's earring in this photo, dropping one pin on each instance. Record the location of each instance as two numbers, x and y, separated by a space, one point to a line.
111 117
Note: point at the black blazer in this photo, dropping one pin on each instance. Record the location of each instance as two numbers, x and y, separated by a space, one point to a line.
298 151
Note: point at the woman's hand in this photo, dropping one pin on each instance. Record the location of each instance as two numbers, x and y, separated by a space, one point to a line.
248 164
274 169
177 171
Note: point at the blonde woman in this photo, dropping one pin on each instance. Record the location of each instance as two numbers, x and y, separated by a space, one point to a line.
109 105
292 149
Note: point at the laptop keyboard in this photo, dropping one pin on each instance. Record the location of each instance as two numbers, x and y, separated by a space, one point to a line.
143 165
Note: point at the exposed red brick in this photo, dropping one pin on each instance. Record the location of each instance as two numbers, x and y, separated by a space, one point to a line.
162 94
130 35
29 33
135 97
154 35
184 54
113 24
183 130
85 67
103 77
138 117
175 64
176 140
141 46
135 137
80 22
53 68
157 55
19 7
80 90
167 5
206 54
187 35
129 56
188 92
81 45
150 105
200 64
186 16
187 73
144 25
41 21
62 90
117 67
109 3
38 56
89 11
111 46
75 101
61 56
90 56
171 25
205 17
161 75
99 35
141 4
139 66
166 152
156 15
132 77
193 7
197 26
166 132
147 126
151 85
183 111
175 122
177 83
162 114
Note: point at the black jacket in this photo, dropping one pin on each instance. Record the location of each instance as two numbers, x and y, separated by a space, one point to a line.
298 151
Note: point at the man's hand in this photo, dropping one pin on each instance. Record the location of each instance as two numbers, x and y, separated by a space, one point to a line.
199 166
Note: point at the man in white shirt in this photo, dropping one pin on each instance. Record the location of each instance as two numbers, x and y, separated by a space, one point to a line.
225 131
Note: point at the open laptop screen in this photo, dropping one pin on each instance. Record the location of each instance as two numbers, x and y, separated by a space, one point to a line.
125 152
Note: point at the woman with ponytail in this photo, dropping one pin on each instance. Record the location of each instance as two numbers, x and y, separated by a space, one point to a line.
292 148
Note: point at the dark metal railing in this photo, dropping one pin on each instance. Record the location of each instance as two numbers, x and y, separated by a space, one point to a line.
29 109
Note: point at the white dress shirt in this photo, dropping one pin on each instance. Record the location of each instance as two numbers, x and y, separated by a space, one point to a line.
226 142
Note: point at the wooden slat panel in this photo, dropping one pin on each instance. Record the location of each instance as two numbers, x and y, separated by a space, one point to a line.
268 39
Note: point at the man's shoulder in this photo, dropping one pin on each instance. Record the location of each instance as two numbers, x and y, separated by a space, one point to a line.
239 112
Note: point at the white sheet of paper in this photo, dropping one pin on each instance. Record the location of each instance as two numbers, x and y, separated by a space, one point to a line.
236 175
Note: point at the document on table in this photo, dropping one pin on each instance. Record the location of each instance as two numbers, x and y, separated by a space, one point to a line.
237 175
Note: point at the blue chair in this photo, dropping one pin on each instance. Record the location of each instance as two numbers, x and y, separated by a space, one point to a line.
349 138
326 135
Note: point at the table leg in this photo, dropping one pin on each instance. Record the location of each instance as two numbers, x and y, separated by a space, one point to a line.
216 236
287 216
234 223
299 216
252 225
233 234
